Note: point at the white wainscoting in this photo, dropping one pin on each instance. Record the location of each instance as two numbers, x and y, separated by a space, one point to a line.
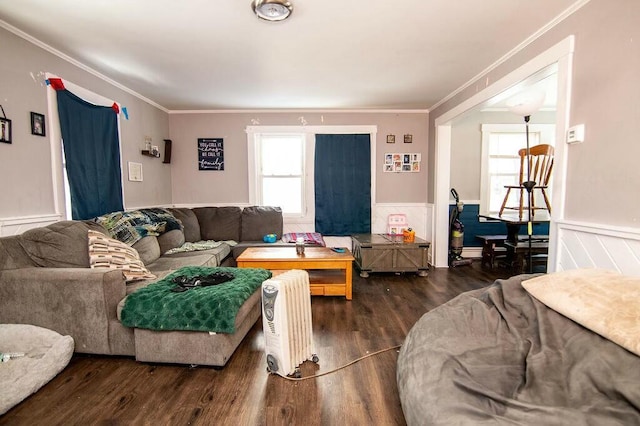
586 245
419 217
17 225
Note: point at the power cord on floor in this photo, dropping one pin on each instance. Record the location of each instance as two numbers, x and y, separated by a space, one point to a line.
315 376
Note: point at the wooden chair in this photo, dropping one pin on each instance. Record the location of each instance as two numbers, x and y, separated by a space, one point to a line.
541 163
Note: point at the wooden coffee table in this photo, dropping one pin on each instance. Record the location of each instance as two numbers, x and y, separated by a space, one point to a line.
330 273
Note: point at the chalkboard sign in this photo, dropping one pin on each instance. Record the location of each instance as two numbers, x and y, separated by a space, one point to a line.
210 154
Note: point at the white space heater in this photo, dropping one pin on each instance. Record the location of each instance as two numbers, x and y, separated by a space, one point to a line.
286 321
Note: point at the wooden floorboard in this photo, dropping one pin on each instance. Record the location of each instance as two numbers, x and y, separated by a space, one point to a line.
103 390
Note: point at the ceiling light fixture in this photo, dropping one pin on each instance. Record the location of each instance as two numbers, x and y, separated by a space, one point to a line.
272 10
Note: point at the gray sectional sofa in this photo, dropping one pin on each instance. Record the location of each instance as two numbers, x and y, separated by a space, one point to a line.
46 280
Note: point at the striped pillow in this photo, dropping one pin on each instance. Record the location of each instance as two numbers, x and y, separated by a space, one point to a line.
105 252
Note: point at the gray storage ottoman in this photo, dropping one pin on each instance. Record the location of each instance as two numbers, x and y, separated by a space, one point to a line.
197 347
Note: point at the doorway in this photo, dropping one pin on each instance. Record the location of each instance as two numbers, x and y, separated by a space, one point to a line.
560 56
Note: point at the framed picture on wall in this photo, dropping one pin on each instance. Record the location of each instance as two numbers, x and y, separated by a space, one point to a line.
5 130
37 124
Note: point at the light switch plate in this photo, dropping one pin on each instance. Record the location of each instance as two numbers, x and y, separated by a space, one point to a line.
575 134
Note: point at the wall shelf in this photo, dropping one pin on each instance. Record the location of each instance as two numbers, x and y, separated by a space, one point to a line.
150 154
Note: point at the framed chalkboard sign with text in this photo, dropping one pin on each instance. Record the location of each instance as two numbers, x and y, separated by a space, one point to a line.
210 154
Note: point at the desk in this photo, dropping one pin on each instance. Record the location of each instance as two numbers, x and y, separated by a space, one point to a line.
539 254
513 222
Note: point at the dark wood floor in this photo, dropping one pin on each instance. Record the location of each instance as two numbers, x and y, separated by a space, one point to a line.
96 390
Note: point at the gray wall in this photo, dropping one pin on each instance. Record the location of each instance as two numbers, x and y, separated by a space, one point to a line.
29 159
25 165
191 186
602 173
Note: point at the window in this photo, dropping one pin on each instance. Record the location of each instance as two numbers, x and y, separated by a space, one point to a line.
281 172
500 159
281 169
61 189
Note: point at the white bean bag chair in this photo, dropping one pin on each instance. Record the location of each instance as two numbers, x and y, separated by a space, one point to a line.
46 353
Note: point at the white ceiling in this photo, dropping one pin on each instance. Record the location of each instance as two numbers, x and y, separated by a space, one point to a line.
350 54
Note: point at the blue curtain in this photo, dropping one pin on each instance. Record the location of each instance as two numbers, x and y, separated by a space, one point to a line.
343 184
92 155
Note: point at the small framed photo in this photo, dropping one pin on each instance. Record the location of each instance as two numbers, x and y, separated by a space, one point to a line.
5 130
408 138
135 171
37 124
391 138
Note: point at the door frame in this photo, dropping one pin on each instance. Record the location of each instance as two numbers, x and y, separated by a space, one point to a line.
560 54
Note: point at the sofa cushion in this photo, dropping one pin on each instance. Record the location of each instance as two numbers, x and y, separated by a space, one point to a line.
258 221
189 222
59 245
170 240
220 251
148 249
169 263
219 223
13 255
105 252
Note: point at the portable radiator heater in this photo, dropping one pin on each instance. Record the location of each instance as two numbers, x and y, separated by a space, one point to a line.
286 321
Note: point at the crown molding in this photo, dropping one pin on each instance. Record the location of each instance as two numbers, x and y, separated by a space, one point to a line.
533 37
296 111
75 62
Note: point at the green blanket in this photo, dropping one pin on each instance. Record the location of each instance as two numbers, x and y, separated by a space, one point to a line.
212 308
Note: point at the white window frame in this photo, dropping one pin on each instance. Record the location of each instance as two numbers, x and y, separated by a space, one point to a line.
545 132
307 220
308 147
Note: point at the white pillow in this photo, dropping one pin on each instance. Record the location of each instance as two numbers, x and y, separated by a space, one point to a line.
105 252
603 301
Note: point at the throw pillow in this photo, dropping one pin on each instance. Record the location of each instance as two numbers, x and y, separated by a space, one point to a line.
605 302
258 221
219 223
105 252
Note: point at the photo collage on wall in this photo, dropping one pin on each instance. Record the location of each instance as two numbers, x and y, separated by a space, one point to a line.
402 162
